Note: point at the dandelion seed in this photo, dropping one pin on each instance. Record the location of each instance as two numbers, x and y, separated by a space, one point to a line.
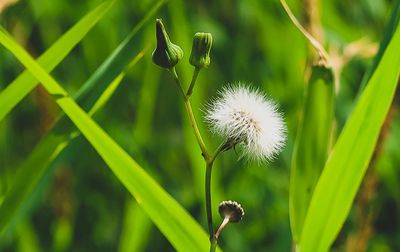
245 116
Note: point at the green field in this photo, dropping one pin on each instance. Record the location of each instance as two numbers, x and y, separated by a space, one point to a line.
99 152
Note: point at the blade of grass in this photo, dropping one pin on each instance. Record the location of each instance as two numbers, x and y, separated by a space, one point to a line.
27 239
25 82
114 64
147 102
137 227
311 145
184 233
109 91
312 141
389 31
50 146
91 96
345 168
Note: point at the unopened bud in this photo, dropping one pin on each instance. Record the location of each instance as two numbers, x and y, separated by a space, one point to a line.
200 56
166 54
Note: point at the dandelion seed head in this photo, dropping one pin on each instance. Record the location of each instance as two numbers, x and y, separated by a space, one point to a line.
247 116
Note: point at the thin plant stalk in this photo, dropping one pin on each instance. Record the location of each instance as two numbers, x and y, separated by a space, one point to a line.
209 166
209 160
208 198
192 83
192 119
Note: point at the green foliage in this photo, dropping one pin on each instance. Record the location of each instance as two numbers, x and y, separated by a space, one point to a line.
348 161
177 225
312 144
22 85
49 148
392 25
51 145
57 195
136 228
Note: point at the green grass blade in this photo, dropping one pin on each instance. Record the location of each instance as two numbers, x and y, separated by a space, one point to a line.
346 166
184 233
50 146
389 31
108 91
27 239
311 146
114 64
92 95
28 175
25 82
136 229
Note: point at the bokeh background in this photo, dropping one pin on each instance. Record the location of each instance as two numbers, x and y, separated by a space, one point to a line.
79 205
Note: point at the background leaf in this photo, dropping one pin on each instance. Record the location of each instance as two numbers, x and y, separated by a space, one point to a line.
312 144
345 168
24 84
136 230
253 43
50 146
177 225
31 171
387 36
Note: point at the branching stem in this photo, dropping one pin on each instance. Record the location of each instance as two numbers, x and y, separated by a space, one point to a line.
193 82
192 119
207 157
209 165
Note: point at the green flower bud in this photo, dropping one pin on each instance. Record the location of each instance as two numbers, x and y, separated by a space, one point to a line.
166 54
200 56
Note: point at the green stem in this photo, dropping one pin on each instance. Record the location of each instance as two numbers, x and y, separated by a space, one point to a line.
207 157
209 165
213 244
192 119
194 78
196 130
177 81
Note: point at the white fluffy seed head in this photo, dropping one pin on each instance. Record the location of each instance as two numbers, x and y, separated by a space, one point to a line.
247 116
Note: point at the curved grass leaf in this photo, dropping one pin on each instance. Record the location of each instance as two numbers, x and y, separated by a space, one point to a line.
91 96
25 82
389 31
184 233
311 146
27 238
34 167
346 166
136 228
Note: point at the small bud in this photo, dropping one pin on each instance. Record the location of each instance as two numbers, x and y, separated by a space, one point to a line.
200 56
231 210
166 54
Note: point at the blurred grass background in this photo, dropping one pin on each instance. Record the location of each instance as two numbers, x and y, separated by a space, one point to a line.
80 206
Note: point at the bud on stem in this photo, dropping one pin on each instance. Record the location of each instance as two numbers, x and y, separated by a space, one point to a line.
200 56
166 54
